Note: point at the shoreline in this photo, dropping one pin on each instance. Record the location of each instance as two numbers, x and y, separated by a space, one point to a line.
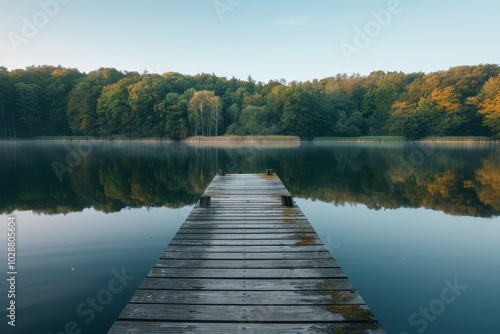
434 140
257 140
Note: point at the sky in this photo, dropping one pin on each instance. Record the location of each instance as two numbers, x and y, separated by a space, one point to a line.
267 39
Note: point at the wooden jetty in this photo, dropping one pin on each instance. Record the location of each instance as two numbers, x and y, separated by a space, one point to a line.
246 260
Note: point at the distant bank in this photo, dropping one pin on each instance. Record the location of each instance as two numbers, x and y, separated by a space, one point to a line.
375 139
248 139
235 139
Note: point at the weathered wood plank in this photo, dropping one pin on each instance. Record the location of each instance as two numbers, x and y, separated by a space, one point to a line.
253 313
247 273
281 284
133 327
278 242
279 223
262 203
225 188
245 249
236 206
245 220
246 256
250 201
240 218
259 230
297 224
247 192
244 236
243 215
249 182
246 264
249 214
293 298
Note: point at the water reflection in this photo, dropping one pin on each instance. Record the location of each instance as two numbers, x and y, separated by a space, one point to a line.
50 178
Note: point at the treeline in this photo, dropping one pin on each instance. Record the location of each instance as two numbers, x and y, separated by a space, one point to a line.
56 101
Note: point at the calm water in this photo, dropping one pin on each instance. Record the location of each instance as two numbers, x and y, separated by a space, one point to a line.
416 227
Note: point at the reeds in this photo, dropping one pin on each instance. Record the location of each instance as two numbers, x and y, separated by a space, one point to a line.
363 139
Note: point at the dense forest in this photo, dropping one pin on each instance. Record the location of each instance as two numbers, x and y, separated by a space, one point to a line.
57 101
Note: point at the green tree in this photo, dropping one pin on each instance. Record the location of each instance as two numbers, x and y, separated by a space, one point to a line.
54 85
414 121
257 121
82 100
200 110
56 104
215 112
304 112
174 109
27 104
7 124
113 109
378 101
234 112
144 98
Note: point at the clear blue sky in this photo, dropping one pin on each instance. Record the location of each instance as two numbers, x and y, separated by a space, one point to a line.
268 39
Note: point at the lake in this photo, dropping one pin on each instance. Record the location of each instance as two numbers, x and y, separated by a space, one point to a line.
416 226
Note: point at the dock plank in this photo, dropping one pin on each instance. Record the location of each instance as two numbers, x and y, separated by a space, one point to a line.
283 284
267 235
133 327
278 224
254 313
246 242
222 273
291 298
246 256
246 263
245 249
220 230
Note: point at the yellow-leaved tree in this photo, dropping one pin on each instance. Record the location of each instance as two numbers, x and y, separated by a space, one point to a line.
489 104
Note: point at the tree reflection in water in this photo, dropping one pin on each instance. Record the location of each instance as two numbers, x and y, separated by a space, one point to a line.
458 180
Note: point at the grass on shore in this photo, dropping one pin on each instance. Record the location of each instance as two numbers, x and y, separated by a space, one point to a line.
363 139
264 139
246 139
94 138
371 139
465 139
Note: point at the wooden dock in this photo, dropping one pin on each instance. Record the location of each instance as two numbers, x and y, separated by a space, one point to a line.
246 264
